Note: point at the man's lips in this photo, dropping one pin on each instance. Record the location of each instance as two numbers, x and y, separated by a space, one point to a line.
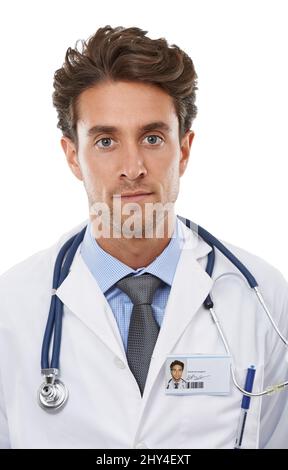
137 196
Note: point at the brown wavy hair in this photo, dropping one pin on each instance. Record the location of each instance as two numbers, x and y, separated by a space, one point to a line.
124 54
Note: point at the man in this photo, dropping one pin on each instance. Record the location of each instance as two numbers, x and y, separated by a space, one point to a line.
176 382
134 292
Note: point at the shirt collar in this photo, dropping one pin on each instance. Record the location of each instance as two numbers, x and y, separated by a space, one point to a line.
107 270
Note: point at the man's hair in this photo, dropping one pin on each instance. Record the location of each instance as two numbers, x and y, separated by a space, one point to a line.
126 54
176 363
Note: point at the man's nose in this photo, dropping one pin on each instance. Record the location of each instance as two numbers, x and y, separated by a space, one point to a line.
132 165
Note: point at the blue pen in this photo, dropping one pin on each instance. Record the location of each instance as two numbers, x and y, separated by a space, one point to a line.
245 406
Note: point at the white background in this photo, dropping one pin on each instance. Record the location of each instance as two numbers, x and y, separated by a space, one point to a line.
236 184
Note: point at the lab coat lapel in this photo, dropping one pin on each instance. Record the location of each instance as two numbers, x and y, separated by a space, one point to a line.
190 287
82 295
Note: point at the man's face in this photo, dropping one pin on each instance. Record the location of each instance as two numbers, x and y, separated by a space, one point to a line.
176 372
128 158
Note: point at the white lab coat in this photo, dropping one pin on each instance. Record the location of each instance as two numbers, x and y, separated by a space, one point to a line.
105 409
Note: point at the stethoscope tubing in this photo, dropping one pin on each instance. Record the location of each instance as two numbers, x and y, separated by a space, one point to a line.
54 323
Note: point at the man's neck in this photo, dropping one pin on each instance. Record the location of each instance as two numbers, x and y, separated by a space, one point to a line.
136 252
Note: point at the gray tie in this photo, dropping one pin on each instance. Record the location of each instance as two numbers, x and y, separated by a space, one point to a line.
143 328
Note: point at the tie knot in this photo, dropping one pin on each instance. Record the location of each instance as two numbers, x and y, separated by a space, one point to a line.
140 289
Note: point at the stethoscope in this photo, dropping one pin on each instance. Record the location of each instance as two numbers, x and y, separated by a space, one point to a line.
53 394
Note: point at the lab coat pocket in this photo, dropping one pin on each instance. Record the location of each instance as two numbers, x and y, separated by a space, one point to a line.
211 421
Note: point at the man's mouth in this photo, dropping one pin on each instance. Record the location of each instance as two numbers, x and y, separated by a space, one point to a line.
136 196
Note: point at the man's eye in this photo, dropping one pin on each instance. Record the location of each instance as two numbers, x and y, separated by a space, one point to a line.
153 139
105 142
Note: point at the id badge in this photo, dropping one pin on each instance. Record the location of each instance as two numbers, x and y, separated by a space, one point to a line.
197 374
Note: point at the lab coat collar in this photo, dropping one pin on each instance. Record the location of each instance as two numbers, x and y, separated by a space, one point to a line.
82 295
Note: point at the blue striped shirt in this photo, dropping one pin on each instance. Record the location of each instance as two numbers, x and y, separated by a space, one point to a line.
107 270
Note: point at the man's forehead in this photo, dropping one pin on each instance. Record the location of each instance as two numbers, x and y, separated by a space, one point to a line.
112 105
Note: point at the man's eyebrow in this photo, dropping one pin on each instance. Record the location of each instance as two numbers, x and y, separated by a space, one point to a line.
147 127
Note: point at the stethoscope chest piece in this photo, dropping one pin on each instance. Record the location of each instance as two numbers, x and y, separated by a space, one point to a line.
52 394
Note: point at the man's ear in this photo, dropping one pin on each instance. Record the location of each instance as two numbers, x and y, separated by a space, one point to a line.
70 151
186 144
